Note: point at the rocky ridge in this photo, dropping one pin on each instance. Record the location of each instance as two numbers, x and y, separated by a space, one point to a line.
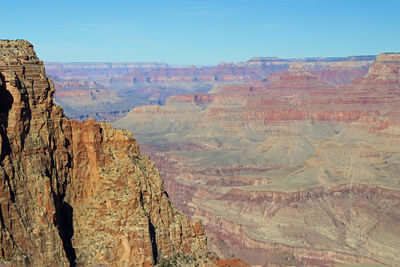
76 193
106 91
288 170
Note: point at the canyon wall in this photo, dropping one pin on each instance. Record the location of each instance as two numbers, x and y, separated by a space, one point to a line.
77 193
107 91
293 169
286 161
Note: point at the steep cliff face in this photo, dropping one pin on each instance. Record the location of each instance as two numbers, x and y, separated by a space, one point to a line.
290 170
386 69
76 192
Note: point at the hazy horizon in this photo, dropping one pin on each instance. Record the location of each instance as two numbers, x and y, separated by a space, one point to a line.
202 32
228 62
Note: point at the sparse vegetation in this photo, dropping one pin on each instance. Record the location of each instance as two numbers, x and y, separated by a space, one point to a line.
181 260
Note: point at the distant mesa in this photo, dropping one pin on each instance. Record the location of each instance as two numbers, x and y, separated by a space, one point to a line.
264 59
313 59
385 69
389 58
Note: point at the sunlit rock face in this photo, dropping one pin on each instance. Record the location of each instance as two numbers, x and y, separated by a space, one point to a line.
107 91
301 167
386 69
76 193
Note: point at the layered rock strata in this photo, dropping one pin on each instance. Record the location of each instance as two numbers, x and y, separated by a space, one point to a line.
106 91
76 193
289 170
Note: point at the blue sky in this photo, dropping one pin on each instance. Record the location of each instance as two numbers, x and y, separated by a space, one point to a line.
202 32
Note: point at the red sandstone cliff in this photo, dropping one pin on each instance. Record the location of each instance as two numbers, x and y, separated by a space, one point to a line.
292 170
76 192
136 84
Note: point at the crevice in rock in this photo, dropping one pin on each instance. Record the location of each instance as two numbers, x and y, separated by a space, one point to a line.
2 219
63 220
12 194
6 101
6 98
153 241
64 223
141 198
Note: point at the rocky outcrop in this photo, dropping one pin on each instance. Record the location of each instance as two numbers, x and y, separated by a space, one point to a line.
92 100
76 193
300 168
386 69
106 90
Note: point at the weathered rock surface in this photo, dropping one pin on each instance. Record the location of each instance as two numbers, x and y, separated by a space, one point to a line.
295 169
106 91
76 193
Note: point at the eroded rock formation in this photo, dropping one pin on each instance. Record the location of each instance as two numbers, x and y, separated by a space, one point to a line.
106 91
76 192
290 170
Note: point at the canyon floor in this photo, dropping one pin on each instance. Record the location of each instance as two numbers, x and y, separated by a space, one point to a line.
286 162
